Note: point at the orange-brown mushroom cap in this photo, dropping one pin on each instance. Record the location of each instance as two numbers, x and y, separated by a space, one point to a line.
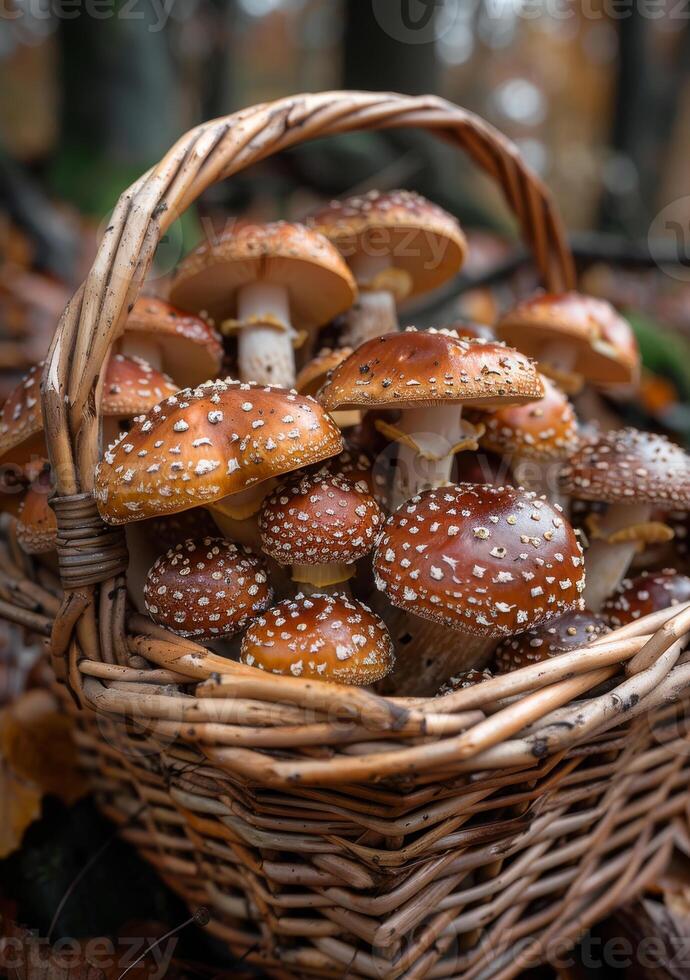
313 374
131 386
36 523
206 589
545 430
481 559
569 632
317 279
629 466
205 443
606 349
430 367
420 237
192 350
21 418
319 518
645 594
332 638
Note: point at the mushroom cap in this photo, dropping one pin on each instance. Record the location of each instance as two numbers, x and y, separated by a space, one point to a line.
21 419
318 281
192 349
470 330
480 559
329 637
168 531
466 678
36 523
430 367
570 632
319 518
360 469
629 466
544 430
206 588
606 348
204 443
313 374
132 386
645 594
419 236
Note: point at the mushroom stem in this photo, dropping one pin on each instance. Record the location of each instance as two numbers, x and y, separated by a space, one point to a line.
562 356
264 349
427 461
323 576
143 347
429 653
606 564
541 476
374 313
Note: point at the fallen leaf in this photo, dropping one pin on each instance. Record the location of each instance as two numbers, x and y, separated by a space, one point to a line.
37 756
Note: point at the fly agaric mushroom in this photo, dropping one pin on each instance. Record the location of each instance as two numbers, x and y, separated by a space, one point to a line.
313 375
485 561
465 679
537 437
359 469
206 589
320 524
266 282
130 387
331 638
645 594
573 337
570 632
398 245
430 376
631 471
184 346
36 526
203 445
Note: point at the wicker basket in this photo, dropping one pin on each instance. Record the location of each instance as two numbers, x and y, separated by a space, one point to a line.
328 831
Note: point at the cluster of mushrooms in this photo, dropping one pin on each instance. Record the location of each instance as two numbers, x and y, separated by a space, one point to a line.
301 514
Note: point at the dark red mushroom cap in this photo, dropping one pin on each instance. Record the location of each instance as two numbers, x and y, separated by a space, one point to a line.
206 589
330 637
481 559
645 594
569 632
419 368
319 518
629 466
21 417
467 678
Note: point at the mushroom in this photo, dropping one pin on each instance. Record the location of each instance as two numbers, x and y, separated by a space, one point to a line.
266 282
465 679
645 594
429 376
320 524
569 632
538 438
331 638
206 589
398 245
573 337
211 445
130 387
485 561
360 469
632 472
36 527
182 345
167 532
315 372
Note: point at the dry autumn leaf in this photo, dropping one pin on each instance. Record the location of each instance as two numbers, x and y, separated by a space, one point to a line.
37 757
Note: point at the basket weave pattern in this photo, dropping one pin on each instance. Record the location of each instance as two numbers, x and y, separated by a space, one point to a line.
330 831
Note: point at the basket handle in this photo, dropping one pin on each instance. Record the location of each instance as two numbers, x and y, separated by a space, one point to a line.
212 152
